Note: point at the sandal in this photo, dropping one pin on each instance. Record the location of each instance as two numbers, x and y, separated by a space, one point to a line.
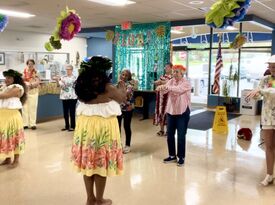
160 133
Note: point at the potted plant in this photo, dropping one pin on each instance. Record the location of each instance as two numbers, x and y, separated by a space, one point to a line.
227 86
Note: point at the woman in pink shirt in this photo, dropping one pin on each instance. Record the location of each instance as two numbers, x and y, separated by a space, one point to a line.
178 113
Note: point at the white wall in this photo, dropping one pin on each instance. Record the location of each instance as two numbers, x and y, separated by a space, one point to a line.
34 42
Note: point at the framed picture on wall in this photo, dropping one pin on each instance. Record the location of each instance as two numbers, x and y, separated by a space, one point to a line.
2 58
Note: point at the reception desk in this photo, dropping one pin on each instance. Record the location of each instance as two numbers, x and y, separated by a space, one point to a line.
49 104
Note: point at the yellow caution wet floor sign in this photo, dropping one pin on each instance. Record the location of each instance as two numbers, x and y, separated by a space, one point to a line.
220 123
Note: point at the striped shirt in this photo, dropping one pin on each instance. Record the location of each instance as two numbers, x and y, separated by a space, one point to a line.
179 96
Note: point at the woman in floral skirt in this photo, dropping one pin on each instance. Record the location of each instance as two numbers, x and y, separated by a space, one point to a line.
96 149
12 96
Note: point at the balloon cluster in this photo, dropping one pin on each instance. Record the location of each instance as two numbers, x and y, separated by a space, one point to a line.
68 25
225 13
3 22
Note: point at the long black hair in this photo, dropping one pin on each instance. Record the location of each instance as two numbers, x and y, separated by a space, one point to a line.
17 79
92 78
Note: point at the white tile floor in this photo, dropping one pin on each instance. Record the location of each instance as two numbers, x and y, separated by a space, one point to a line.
219 170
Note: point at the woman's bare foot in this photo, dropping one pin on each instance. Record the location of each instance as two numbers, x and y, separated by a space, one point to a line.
14 164
91 202
6 162
104 202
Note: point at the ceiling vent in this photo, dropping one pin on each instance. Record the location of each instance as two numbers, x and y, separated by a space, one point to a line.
34 26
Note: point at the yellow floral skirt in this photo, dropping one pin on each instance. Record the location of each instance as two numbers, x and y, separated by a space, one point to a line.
97 146
12 139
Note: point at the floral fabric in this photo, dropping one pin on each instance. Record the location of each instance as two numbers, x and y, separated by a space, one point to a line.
67 90
161 103
12 139
97 146
267 90
128 105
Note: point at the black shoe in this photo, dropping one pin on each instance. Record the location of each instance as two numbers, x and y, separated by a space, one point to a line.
180 162
63 129
33 127
26 127
170 159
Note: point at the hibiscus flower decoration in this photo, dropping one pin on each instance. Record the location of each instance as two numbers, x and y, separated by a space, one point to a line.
3 22
160 30
68 25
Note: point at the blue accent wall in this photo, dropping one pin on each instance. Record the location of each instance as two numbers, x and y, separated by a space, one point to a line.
99 46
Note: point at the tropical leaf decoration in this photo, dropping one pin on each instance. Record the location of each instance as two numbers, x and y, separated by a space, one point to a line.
110 35
160 31
225 13
238 42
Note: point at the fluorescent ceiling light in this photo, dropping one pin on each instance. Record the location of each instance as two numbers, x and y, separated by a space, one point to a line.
16 13
196 2
113 2
177 32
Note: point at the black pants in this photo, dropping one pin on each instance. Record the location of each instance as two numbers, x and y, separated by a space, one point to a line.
127 116
69 109
179 123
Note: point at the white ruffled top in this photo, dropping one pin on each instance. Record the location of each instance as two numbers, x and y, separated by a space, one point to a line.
13 102
105 110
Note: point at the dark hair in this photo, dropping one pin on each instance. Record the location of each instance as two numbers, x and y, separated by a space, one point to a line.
92 78
170 64
30 60
17 79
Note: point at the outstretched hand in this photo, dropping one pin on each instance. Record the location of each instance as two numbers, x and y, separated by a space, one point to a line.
252 94
121 85
161 88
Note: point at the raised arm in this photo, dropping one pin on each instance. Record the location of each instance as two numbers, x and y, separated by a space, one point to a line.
116 93
181 88
13 92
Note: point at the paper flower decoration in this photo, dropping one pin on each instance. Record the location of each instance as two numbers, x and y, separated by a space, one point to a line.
3 22
160 31
48 46
55 44
238 42
226 12
110 35
68 25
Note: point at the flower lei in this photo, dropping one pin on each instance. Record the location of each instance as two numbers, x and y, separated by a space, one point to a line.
29 75
68 25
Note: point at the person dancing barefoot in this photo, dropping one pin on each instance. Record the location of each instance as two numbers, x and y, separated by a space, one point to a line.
97 150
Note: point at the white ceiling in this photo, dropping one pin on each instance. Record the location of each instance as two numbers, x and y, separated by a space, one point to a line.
97 15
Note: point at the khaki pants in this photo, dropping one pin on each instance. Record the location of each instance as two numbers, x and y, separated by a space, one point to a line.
30 108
